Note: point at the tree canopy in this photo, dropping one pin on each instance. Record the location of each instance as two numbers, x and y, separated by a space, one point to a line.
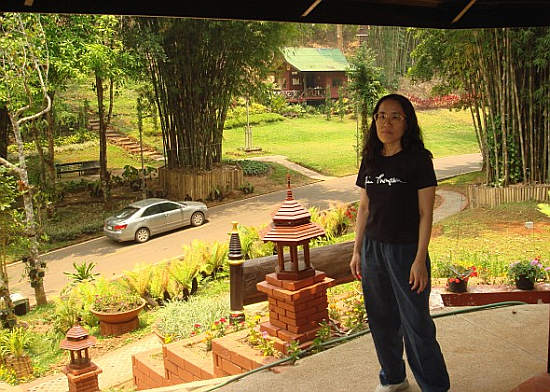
505 76
197 67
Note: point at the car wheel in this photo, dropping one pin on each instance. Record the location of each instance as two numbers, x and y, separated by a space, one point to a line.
197 219
142 235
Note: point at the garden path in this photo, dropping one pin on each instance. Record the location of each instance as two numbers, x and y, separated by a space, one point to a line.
282 160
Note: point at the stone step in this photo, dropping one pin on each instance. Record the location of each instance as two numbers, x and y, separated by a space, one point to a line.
120 138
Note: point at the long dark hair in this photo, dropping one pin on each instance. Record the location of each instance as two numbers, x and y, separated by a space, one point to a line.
412 138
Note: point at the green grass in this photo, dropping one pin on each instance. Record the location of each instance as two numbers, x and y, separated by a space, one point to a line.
117 157
328 146
324 146
491 238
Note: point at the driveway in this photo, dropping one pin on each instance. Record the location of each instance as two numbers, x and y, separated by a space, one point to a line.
113 258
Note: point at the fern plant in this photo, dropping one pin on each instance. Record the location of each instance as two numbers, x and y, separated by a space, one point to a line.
138 281
186 273
15 342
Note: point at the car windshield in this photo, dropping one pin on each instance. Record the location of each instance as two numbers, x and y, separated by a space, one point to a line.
126 212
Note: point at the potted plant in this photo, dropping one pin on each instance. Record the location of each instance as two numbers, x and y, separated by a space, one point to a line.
116 308
458 276
13 349
525 273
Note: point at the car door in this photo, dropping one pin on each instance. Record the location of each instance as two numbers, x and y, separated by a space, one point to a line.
173 214
154 218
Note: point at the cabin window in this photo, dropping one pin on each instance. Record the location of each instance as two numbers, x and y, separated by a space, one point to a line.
336 82
295 81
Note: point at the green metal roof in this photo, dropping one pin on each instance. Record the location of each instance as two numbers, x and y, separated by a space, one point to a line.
315 59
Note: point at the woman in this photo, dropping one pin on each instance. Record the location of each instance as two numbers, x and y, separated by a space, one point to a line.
394 224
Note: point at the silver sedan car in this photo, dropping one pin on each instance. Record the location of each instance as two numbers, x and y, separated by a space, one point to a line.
144 218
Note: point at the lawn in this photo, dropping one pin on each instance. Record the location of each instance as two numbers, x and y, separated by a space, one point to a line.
321 145
328 146
117 157
491 238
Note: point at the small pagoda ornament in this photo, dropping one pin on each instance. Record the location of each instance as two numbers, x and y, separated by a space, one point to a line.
81 371
292 227
297 293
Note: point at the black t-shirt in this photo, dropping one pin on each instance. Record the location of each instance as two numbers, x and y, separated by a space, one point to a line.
392 183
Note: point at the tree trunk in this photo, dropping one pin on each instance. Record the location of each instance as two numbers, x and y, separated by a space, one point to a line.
111 100
340 37
50 134
36 272
4 132
103 174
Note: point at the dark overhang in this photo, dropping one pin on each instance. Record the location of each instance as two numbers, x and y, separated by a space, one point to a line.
414 13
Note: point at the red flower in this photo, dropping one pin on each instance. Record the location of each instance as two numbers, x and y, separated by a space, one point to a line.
196 326
223 320
457 280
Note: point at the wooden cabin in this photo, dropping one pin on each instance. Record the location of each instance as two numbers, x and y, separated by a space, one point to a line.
307 72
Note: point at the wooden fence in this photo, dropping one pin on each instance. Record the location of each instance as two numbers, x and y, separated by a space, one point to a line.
484 196
182 184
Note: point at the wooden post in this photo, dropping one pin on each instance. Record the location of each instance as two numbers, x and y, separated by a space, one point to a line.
281 257
294 257
236 283
306 254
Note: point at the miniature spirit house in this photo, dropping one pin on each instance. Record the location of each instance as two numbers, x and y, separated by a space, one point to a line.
81 371
296 291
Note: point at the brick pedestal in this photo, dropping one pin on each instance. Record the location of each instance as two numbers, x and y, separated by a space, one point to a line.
296 307
83 380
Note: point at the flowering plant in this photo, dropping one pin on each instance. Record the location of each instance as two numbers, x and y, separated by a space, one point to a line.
456 273
532 270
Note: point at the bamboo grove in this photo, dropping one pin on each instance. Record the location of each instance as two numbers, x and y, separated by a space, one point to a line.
196 68
505 76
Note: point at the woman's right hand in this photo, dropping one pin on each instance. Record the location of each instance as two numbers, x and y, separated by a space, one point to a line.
355 265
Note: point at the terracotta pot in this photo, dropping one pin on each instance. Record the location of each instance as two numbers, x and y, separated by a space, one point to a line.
118 317
460 287
118 323
524 283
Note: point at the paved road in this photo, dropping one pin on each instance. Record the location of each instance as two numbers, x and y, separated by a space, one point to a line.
113 258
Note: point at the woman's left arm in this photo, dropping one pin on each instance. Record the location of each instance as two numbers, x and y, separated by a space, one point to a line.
419 271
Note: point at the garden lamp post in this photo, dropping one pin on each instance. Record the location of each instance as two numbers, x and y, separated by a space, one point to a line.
81 371
236 260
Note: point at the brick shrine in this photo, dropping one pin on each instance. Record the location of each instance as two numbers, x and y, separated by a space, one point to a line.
297 293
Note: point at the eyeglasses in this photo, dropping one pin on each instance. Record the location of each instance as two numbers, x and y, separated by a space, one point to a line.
397 117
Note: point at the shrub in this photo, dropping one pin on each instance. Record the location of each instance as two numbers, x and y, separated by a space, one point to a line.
247 188
67 233
250 168
251 244
253 119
